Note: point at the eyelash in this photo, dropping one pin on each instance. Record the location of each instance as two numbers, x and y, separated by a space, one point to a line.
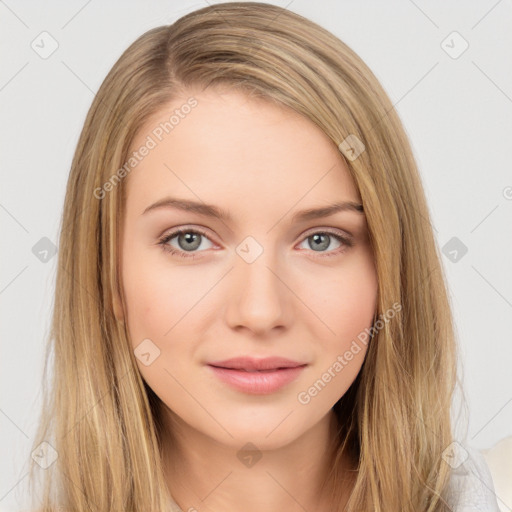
163 242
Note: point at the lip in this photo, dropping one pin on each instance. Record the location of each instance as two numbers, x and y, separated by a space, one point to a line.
250 363
257 376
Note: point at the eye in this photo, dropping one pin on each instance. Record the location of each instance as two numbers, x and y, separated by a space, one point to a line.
320 240
189 240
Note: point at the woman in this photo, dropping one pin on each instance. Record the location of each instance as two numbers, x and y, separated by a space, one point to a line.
299 354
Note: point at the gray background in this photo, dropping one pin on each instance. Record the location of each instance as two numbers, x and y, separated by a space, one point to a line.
457 110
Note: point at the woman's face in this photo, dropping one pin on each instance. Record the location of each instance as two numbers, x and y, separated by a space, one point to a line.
262 282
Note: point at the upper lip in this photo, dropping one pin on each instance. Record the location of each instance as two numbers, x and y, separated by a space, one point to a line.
250 363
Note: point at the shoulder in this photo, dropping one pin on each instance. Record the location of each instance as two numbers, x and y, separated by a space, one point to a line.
471 486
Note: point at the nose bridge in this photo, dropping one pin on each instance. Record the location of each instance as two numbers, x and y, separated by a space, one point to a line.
258 298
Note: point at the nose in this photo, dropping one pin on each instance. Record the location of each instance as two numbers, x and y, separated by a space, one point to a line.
258 298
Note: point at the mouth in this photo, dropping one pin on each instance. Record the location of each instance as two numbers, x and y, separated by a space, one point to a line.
257 382
270 370
250 364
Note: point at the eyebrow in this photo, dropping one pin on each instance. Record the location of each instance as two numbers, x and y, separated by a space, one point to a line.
218 213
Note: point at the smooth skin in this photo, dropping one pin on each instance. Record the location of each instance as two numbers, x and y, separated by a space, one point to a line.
298 299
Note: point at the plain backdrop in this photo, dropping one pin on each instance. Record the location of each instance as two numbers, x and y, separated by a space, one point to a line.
447 68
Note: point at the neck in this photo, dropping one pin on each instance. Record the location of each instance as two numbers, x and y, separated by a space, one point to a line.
203 474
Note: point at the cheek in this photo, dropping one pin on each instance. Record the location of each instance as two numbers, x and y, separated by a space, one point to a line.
160 308
159 302
147 304
348 309
349 300
354 308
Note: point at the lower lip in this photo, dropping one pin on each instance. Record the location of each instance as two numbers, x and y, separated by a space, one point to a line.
259 383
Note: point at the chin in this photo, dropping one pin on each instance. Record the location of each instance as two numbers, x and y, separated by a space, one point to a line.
270 433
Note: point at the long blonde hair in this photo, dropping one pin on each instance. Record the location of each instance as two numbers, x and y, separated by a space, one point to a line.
98 413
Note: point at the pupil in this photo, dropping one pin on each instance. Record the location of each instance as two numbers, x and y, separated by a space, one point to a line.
190 238
318 241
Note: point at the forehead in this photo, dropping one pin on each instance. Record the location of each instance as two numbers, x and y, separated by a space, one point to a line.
234 149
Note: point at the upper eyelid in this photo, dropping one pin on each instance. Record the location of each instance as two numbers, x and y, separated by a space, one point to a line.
204 232
176 231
